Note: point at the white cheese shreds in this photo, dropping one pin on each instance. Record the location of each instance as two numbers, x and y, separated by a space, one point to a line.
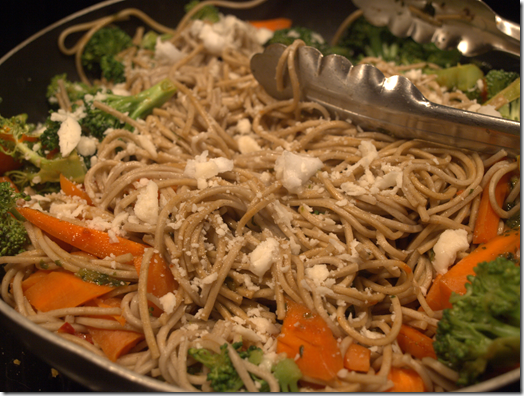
243 126
246 145
166 51
168 302
202 169
263 256
87 145
489 110
318 273
69 133
293 170
448 245
146 206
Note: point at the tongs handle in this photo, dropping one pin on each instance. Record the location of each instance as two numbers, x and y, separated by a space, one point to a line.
468 25
394 105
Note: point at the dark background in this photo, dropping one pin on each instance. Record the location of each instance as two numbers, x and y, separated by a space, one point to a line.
20 20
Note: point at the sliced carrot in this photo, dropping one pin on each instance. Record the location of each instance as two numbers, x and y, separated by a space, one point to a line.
273 24
100 244
414 342
307 338
487 223
111 302
115 343
34 278
61 289
455 279
357 358
73 190
433 297
405 380
5 179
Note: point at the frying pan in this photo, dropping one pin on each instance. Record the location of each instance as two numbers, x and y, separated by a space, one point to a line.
25 72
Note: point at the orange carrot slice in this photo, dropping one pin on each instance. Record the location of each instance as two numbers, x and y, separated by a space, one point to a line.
34 278
115 343
5 179
100 244
272 24
307 338
73 190
405 380
416 343
357 358
61 289
487 223
455 279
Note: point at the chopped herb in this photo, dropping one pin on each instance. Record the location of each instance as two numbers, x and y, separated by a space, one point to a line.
99 279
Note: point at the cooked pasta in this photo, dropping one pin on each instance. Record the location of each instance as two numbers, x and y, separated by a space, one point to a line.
254 201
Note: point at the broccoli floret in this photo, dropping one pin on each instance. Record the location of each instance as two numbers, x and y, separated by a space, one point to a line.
364 39
149 39
112 69
14 234
100 52
497 80
96 121
308 36
49 138
287 373
75 90
482 329
222 375
208 13
17 142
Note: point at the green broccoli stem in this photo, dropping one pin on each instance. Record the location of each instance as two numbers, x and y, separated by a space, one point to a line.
498 328
287 373
143 103
72 167
463 77
507 95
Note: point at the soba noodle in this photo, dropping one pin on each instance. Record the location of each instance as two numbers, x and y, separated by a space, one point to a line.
349 241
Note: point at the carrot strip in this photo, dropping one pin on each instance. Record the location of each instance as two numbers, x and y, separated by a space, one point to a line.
357 358
405 380
414 342
60 289
488 220
433 297
272 24
115 343
455 279
109 303
6 179
307 338
73 190
98 243
34 278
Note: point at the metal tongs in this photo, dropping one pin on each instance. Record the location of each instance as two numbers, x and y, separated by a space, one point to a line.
394 105
468 25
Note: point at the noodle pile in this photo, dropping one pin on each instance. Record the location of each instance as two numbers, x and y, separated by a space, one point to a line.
350 241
